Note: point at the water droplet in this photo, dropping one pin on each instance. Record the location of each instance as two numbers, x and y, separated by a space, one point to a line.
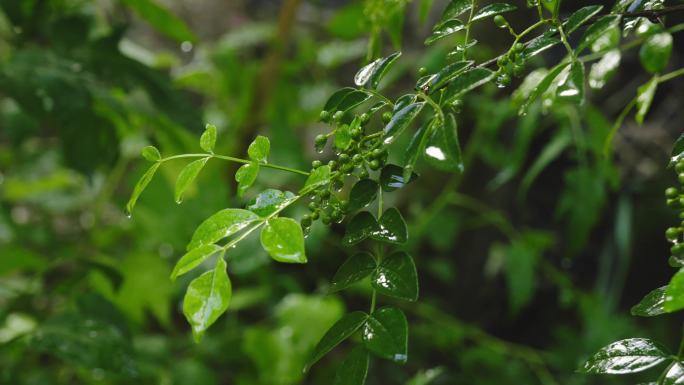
186 46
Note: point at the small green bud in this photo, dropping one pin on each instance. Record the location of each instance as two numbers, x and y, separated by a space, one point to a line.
332 164
364 118
320 140
422 71
306 221
338 116
672 233
374 164
343 158
316 164
324 116
671 192
500 21
386 116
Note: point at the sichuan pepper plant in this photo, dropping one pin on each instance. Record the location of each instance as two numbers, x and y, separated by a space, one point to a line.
347 185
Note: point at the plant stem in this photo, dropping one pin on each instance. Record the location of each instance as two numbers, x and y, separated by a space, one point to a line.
236 160
433 104
467 31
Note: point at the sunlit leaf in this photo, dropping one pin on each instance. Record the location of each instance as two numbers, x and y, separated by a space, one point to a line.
221 225
259 149
208 138
674 294
455 9
269 201
596 30
194 258
652 304
151 153
140 187
187 176
246 175
571 88
604 69
371 74
207 298
283 240
542 87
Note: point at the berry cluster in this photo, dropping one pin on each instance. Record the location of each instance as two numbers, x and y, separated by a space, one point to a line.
675 200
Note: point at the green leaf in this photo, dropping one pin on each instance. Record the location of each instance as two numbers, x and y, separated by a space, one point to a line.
442 149
445 29
656 51
283 240
269 201
360 227
391 227
392 178
371 74
436 81
416 147
194 258
493 10
465 82
352 100
208 138
674 376
140 187
674 294
542 87
161 19
246 175
343 137
336 98
318 176
151 153
455 9
626 356
652 304
539 45
645 95
579 17
424 10
187 176
207 297
354 368
400 120
604 69
677 148
596 30
571 88
339 332
221 225
362 194
385 333
396 277
354 269
259 149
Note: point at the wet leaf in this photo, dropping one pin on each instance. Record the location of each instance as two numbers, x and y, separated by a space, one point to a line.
604 69
269 201
652 304
571 89
674 294
360 227
596 30
207 298
318 177
221 225
579 17
397 277
187 176
283 240
343 136
656 51
445 29
416 147
442 149
208 138
362 194
385 333
259 149
455 9
400 120
194 258
465 82
246 175
371 74
626 356
392 178
539 45
645 95
436 81
677 149
339 332
391 228
542 87
140 187
354 269
354 368
493 10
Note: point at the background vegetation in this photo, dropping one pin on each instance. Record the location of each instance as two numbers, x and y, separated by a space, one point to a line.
528 263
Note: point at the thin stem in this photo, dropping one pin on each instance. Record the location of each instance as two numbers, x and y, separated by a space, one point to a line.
373 300
236 160
680 351
433 104
467 31
379 96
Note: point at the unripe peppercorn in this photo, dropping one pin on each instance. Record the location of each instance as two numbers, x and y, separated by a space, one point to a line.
679 167
374 164
671 192
422 71
500 21
325 218
306 221
344 158
519 47
357 158
363 174
316 164
680 177
672 203
364 118
386 116
315 215
338 116
332 164
313 206
677 249
672 233
356 133
320 140
324 116
347 168
344 205
376 153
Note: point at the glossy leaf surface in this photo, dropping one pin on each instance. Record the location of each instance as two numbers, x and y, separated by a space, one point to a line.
385 333
392 178
400 120
445 29
194 258
360 227
579 17
542 87
354 368
596 30
436 81
442 149
652 304
187 176
259 149
493 10
246 175
467 81
397 277
208 138
318 176
269 201
220 225
339 332
354 269
283 240
362 194
371 74
571 89
391 227
206 298
626 356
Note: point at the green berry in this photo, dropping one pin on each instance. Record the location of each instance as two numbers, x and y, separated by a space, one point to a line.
356 133
336 215
374 164
332 164
306 220
677 249
422 71
672 203
519 47
320 140
343 158
325 218
316 164
363 174
315 215
679 167
500 21
338 116
364 118
325 194
672 233
376 153
357 159
680 177
324 116
344 205
671 192
386 116
313 206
